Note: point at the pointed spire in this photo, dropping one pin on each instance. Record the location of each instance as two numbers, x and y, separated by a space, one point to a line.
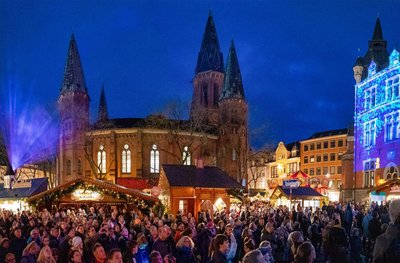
378 30
233 86
210 56
73 72
103 111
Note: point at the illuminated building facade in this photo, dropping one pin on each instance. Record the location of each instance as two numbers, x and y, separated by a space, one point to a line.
131 151
321 158
377 116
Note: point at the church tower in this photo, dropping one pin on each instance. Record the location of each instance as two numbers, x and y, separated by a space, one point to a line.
73 105
233 121
209 76
102 116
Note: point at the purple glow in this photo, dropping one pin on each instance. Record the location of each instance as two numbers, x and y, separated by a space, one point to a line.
29 132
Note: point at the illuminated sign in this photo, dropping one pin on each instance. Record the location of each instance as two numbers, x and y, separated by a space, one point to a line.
86 195
291 183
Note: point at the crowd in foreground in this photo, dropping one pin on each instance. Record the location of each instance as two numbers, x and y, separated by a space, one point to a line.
254 233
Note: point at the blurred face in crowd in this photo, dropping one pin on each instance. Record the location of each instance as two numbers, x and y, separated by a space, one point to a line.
99 253
116 257
228 230
224 247
10 258
77 257
18 233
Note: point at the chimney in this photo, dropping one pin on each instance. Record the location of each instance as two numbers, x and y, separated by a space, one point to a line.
199 163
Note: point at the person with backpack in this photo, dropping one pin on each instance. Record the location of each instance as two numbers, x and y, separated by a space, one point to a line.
387 245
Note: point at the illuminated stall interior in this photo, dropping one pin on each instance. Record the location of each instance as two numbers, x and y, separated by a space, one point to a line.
85 191
303 196
13 195
190 189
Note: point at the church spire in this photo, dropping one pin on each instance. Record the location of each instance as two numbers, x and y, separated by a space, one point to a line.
378 30
210 56
233 86
74 80
103 111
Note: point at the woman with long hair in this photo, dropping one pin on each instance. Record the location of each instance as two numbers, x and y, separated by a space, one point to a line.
46 255
75 256
305 253
219 248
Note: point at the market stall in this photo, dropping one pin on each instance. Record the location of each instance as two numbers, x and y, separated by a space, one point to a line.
303 196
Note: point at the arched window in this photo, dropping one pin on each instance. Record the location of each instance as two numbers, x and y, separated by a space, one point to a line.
126 159
234 155
154 159
69 168
391 172
79 167
216 95
204 95
186 157
101 159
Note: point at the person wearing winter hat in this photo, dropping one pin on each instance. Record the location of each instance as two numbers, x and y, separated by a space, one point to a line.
77 244
4 248
387 245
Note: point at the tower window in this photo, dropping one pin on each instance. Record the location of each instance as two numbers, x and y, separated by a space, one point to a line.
186 157
79 167
154 159
126 159
234 155
69 167
216 95
101 159
204 95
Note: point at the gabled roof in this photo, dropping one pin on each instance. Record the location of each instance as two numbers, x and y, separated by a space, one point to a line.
328 133
298 192
210 56
191 176
100 184
38 185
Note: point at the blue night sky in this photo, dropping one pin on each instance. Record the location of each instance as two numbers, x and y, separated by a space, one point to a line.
296 57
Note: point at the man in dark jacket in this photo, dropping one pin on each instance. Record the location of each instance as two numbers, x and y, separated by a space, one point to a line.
337 243
374 226
17 244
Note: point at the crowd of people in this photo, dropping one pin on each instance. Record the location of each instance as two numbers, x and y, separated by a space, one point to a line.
254 233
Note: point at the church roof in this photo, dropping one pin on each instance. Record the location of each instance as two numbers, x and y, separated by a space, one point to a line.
74 80
191 176
328 133
378 35
233 86
103 111
210 55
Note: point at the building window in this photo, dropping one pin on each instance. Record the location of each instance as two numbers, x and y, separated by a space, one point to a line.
79 166
318 146
369 98
311 171
333 144
326 144
306 171
339 156
391 173
318 158
69 169
340 143
183 206
318 171
292 167
312 147
126 159
262 184
154 159
274 171
369 173
332 170
392 128
101 159
305 159
339 169
325 157
392 89
325 171
306 147
369 133
332 157
234 155
204 95
186 157
312 159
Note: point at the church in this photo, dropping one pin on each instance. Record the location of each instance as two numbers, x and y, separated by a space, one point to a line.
131 151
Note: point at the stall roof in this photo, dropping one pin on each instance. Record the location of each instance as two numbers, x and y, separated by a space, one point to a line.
98 183
38 185
384 185
297 192
191 176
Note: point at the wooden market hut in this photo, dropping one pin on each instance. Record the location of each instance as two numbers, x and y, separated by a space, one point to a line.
88 191
304 196
387 191
191 189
